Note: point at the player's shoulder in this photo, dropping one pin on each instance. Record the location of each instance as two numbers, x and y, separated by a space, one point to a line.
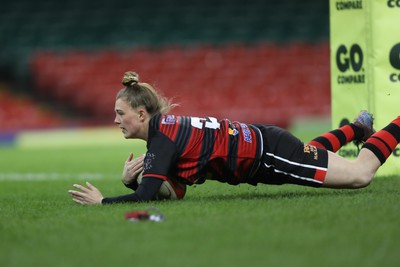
160 120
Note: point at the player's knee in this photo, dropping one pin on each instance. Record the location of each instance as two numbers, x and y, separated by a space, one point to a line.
362 180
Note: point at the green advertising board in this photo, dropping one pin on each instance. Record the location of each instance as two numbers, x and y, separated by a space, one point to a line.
365 66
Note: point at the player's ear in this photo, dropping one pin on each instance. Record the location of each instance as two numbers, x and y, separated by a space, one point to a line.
142 114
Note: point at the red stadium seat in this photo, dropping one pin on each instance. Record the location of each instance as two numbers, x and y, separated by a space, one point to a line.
264 83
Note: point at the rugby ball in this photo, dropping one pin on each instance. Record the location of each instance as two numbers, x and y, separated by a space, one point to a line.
170 189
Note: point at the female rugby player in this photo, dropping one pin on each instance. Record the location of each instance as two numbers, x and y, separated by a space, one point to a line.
192 149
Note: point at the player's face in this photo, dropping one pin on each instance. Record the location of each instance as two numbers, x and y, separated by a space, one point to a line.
131 121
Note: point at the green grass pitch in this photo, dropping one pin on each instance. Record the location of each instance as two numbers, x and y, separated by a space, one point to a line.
215 225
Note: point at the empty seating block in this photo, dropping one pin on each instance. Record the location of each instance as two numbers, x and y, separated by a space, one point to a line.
259 83
19 113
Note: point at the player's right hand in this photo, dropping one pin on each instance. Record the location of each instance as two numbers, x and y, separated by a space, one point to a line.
132 169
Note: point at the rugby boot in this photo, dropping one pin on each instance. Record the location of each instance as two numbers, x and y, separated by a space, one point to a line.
365 121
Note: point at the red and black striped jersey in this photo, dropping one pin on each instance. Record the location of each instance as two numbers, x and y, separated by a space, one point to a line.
193 149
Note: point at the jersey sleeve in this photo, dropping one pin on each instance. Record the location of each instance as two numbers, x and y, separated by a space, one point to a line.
146 191
160 156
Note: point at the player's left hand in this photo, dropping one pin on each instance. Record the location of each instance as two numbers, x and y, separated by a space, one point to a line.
87 195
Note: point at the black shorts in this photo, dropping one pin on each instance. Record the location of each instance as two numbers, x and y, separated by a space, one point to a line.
286 159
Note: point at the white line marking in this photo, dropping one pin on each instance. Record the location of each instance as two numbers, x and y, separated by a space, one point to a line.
15 176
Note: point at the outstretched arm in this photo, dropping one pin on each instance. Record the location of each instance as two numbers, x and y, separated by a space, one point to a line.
90 195
87 195
146 191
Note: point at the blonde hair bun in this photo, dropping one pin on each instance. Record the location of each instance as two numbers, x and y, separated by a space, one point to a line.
130 78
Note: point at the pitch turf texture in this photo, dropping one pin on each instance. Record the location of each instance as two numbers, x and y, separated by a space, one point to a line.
215 225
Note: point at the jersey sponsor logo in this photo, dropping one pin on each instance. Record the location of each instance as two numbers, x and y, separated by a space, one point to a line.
233 131
246 133
169 119
309 149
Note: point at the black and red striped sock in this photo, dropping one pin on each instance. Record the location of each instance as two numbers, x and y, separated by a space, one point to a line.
335 139
383 142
